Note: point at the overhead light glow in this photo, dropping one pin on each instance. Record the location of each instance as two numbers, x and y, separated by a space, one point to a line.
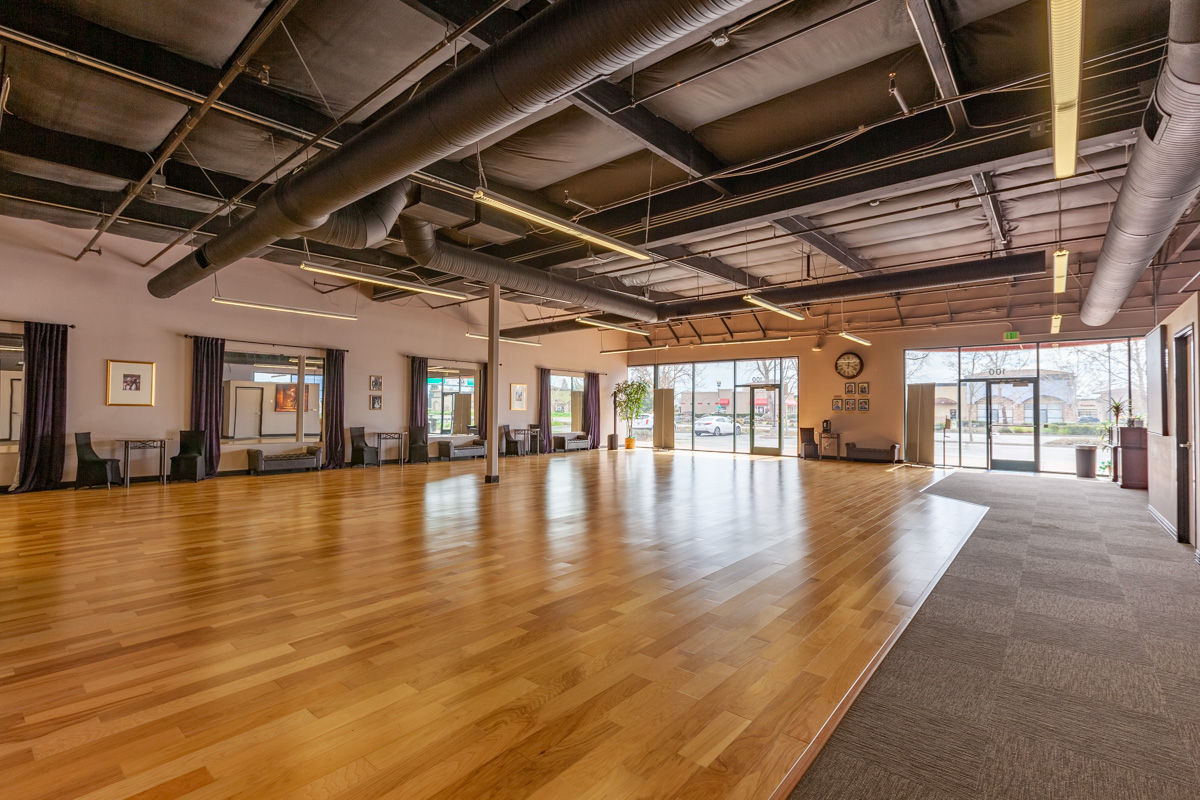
767 304
633 350
378 280
853 338
309 312
504 339
612 326
11 349
563 226
1055 323
745 341
1060 270
1066 54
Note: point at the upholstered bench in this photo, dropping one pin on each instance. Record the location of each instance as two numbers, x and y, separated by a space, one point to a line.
311 458
566 444
452 451
886 455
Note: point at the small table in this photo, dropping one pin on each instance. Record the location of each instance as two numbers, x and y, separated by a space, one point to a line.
830 442
401 436
529 435
146 444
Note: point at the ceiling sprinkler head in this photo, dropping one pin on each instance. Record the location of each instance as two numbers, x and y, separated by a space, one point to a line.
720 38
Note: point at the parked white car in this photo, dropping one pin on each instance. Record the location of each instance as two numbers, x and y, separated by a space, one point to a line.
644 423
715 426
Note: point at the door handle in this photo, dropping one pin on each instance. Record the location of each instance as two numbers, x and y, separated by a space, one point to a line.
1187 445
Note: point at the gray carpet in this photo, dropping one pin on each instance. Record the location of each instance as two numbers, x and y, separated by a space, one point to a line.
1059 657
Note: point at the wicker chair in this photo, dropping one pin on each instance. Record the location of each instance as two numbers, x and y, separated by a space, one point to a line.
189 464
93 470
513 446
808 443
418 444
361 453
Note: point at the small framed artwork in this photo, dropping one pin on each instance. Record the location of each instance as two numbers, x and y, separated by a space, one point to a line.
864 405
518 396
837 404
286 398
375 402
864 387
130 383
849 388
376 383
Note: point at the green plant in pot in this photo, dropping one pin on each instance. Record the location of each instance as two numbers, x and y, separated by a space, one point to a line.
628 399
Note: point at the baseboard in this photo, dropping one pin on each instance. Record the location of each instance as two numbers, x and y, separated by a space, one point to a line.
1163 521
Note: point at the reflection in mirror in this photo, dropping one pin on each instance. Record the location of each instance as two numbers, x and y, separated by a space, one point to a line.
451 393
261 397
12 386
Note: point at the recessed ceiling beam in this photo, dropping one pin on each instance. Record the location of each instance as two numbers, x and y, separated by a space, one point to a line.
824 241
710 266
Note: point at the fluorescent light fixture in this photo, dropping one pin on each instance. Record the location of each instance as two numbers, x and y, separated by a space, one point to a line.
1060 270
633 350
746 341
378 280
612 326
1055 323
282 369
10 348
504 339
310 312
1066 54
758 301
534 215
853 338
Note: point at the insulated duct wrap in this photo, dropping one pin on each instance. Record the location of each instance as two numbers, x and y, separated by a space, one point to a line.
364 223
1163 176
562 49
424 248
983 271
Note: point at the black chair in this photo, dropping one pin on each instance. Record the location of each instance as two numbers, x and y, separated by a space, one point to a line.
418 444
189 464
536 442
92 469
361 453
808 443
512 445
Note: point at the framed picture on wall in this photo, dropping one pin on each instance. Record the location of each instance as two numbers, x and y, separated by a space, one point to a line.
286 397
375 402
837 404
518 394
864 387
376 383
849 387
864 405
130 383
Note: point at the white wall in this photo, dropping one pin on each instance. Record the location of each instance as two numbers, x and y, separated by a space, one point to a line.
116 318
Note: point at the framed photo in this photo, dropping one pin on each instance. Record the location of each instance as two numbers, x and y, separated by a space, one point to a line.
286 397
864 388
375 402
864 405
837 404
376 383
849 387
518 396
130 383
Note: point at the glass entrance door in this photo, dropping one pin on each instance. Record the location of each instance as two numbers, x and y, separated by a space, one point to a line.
766 419
1013 417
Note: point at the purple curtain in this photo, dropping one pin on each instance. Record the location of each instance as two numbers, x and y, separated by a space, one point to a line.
335 409
44 424
591 407
418 391
208 399
481 390
544 407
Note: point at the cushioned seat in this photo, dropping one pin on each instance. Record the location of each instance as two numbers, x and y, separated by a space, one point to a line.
311 458
361 453
189 464
567 444
808 443
886 455
91 469
453 451
418 444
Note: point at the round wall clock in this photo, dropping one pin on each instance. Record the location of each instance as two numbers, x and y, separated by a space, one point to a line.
849 365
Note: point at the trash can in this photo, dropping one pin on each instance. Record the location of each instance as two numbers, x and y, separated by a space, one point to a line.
1085 460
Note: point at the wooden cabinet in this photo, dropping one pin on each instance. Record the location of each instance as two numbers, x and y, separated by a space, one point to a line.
1134 462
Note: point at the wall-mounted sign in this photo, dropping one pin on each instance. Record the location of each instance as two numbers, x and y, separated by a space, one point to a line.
1012 336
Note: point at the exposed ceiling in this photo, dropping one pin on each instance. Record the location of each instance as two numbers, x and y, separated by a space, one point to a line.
776 158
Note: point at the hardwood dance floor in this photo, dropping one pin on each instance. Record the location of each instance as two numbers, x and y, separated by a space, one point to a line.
616 625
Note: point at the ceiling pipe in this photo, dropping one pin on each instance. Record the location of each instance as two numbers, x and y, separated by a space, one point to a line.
562 49
945 276
569 325
1163 176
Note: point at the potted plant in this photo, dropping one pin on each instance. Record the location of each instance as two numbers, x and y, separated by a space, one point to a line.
628 399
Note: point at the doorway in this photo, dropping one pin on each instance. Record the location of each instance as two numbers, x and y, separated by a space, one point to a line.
1184 474
1002 424
766 422
247 412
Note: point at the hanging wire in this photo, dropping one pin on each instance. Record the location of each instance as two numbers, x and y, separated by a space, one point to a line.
304 64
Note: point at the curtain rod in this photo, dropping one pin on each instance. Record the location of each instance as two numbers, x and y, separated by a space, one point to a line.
564 369
23 321
267 344
441 358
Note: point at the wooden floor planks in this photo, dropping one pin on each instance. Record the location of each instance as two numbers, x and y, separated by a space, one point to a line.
599 625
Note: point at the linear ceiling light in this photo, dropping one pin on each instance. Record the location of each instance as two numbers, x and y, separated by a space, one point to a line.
1055 323
1060 270
280 369
1066 58
533 215
12 349
504 339
612 326
364 277
767 304
632 350
745 341
310 312
853 338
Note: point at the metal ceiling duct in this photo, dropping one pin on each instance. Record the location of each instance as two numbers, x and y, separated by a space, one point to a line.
364 223
1163 175
562 49
424 248
945 276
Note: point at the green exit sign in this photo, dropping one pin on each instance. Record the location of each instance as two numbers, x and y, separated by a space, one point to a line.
1012 336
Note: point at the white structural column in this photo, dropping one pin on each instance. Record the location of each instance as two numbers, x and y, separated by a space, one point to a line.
492 474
